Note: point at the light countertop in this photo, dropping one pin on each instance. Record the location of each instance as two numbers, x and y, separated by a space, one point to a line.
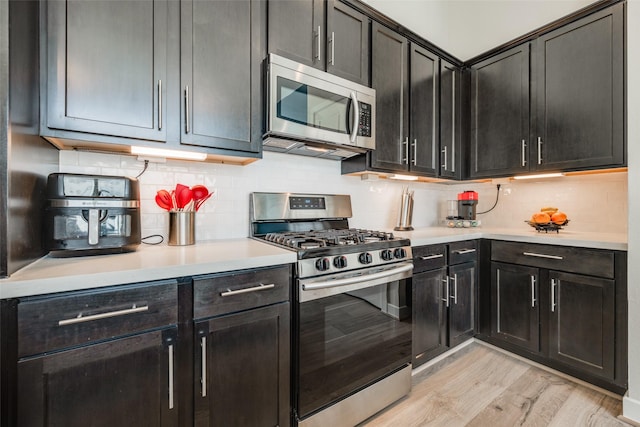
49 275
566 237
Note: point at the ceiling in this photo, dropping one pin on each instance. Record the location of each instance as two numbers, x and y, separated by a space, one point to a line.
467 28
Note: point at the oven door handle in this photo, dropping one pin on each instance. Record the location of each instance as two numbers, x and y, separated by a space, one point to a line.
358 279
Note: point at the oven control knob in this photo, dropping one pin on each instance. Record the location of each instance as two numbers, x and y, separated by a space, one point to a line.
340 261
400 253
365 258
322 264
386 255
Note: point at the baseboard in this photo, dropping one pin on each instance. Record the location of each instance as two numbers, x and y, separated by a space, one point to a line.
630 410
443 356
553 371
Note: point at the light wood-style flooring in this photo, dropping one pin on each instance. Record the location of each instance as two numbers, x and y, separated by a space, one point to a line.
479 386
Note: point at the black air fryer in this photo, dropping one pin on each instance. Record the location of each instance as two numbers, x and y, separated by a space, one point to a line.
91 215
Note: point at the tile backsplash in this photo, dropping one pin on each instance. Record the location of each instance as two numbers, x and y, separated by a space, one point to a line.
592 202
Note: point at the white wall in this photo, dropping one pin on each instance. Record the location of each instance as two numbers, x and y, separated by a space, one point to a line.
631 404
466 28
592 202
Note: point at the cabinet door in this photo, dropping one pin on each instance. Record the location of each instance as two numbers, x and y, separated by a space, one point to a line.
243 364
222 46
580 105
582 326
347 49
450 121
462 291
515 305
124 382
389 77
429 315
423 111
105 66
500 114
296 30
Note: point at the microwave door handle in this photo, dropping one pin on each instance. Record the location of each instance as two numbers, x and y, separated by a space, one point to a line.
356 117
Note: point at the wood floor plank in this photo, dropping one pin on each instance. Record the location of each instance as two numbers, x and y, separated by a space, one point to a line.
532 400
482 387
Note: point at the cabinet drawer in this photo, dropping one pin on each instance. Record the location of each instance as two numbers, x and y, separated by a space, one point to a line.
215 295
592 262
429 257
460 252
51 323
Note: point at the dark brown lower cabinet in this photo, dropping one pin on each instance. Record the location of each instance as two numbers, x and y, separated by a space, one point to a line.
124 382
562 306
581 322
443 298
243 365
516 318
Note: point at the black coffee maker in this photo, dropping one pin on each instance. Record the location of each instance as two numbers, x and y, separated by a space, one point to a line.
91 214
467 202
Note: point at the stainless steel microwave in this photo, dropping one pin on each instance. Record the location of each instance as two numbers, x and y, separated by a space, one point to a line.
315 113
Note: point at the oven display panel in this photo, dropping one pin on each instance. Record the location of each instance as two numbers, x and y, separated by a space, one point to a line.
306 203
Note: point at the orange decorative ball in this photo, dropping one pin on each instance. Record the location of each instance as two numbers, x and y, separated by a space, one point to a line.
559 218
540 218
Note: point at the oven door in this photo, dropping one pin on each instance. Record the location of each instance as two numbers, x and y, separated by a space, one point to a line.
354 329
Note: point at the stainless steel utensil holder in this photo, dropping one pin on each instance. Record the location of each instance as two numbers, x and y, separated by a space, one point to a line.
182 228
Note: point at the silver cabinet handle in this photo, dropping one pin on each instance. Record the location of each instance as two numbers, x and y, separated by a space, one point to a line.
171 376
406 151
539 150
446 282
554 283
260 287
332 40
81 319
524 153
533 291
159 104
186 109
453 122
498 299
356 116
203 355
318 57
464 251
414 160
431 256
533 254
444 156
455 289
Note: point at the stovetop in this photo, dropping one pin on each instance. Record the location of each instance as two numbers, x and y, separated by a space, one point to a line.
314 239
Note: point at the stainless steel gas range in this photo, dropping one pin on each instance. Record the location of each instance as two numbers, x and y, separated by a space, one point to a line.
352 316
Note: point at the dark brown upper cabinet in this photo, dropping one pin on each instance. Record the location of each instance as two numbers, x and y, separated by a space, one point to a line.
390 79
500 119
418 106
106 68
579 84
221 74
328 35
143 72
451 90
555 104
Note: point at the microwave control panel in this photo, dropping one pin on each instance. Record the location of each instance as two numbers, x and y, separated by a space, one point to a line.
364 124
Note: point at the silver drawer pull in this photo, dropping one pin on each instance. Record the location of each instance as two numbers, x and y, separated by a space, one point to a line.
464 251
81 319
171 376
203 367
424 258
533 254
260 287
